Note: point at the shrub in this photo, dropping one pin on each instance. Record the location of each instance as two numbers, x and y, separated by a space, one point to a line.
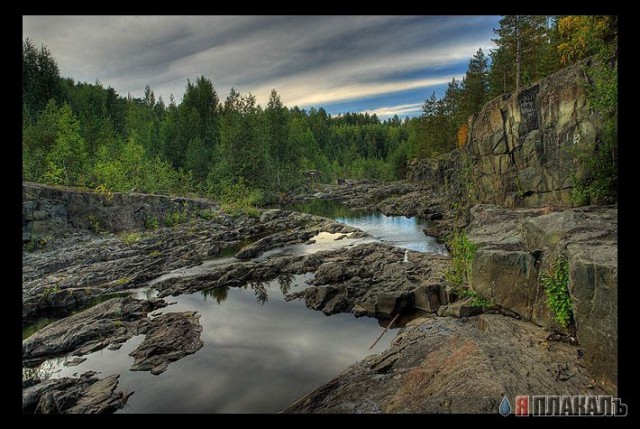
555 280
463 252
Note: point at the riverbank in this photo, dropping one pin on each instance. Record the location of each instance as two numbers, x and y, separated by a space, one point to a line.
108 288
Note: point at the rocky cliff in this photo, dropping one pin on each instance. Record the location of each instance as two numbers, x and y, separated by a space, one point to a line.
519 164
521 146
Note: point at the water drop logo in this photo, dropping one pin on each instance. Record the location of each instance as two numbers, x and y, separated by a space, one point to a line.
505 407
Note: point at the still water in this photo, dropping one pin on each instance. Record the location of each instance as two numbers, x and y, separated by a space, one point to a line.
400 231
260 353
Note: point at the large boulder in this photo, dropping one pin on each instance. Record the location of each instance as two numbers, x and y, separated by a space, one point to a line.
449 365
515 246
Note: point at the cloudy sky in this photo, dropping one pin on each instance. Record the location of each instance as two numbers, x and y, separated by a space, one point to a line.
382 64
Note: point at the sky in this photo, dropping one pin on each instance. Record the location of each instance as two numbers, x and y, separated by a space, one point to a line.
378 64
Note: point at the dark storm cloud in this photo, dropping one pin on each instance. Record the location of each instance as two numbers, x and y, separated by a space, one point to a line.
310 60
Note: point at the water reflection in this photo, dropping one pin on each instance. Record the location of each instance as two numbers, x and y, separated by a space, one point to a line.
401 231
285 281
260 291
220 294
257 357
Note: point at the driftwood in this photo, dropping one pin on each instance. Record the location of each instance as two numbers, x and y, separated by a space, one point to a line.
385 331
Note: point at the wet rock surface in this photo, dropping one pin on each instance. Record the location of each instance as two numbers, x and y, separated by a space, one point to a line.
112 322
448 365
86 394
61 279
375 278
169 337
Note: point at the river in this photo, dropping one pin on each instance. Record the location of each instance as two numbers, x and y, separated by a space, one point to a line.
260 352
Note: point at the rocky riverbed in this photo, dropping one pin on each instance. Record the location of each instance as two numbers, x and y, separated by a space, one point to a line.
446 358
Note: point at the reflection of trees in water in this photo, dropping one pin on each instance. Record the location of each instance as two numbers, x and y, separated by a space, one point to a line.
260 290
220 294
285 282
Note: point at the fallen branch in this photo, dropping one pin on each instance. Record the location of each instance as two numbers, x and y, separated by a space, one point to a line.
385 331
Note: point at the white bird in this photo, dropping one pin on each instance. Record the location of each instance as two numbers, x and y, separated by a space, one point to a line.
406 255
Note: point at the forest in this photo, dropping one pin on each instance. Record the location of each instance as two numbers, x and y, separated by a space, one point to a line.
236 151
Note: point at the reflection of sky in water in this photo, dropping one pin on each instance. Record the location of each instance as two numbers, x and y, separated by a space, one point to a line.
400 231
255 358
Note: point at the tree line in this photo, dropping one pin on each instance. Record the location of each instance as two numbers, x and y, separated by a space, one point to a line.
83 134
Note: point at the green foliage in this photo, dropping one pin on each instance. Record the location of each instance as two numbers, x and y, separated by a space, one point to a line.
526 52
40 77
155 253
122 281
555 280
83 134
596 177
175 218
586 35
95 224
66 160
48 291
131 237
151 222
238 198
475 87
477 300
35 243
105 192
463 252
207 214
370 169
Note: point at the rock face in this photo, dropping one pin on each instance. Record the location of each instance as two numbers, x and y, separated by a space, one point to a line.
112 322
83 395
514 246
518 153
169 337
446 365
49 210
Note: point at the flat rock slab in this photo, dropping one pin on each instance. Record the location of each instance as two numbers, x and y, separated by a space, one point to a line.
169 337
86 394
447 365
112 321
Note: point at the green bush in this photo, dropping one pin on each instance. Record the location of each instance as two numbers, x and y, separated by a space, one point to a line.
370 168
175 218
463 252
237 198
555 280
477 300
130 237
596 180
151 222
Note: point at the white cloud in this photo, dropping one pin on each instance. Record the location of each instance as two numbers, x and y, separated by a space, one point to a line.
400 110
309 60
